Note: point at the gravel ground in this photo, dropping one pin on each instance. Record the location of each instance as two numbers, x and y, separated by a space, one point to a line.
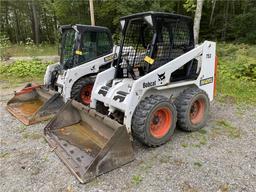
221 157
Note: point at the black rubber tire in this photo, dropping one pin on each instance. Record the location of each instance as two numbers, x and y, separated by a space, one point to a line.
141 120
184 104
77 87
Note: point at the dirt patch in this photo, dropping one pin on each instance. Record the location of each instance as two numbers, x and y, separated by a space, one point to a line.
221 157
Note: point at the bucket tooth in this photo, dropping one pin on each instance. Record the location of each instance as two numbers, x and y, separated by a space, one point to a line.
89 143
34 104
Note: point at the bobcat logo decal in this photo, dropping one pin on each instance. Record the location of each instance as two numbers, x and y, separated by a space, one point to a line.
161 77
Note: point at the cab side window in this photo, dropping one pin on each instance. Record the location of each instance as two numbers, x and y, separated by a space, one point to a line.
94 45
104 45
89 46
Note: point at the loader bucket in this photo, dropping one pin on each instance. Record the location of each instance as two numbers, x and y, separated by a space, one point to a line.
34 104
88 143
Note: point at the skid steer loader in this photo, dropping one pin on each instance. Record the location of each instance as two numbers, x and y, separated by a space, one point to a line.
160 79
85 51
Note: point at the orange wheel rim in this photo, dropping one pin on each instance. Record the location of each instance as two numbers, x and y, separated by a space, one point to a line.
160 122
197 111
85 94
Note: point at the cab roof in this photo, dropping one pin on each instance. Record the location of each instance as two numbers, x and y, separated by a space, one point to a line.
156 14
82 28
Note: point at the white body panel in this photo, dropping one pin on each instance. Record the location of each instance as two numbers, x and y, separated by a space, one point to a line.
67 79
150 83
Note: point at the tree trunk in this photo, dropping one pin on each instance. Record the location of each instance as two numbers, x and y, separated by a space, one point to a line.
223 38
31 20
17 31
198 14
36 23
47 30
92 12
55 26
213 8
7 24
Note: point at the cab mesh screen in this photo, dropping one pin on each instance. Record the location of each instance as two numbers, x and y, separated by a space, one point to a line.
138 38
173 40
168 39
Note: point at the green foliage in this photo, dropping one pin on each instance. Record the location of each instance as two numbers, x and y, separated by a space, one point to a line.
4 44
4 41
108 13
236 73
231 20
190 5
244 27
136 179
71 12
23 69
29 42
237 61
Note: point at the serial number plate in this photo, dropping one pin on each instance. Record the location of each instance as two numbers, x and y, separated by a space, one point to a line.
206 81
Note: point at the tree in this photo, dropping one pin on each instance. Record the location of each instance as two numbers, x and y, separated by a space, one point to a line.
35 22
212 12
39 20
197 19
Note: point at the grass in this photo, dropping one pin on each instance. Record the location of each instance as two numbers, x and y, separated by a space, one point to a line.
236 73
33 136
185 145
145 166
198 164
203 140
164 158
31 50
200 139
4 154
224 127
202 131
22 128
136 179
45 158
237 91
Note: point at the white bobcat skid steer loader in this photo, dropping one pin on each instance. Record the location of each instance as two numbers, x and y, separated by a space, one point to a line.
85 51
159 78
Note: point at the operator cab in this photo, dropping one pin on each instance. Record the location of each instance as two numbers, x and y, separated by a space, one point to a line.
152 39
83 43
